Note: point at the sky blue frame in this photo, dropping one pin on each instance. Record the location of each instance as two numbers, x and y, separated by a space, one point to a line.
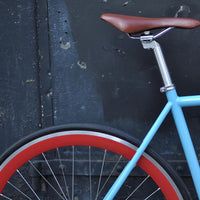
174 104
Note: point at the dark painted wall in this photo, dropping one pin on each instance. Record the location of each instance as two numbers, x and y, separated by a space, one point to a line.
61 64
19 102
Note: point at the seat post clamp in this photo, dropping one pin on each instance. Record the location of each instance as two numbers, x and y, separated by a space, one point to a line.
167 88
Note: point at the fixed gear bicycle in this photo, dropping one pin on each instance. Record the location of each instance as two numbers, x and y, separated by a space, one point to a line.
112 164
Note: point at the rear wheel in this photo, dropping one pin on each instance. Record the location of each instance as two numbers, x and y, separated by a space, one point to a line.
81 163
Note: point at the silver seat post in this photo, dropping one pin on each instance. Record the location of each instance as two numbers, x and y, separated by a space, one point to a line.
148 42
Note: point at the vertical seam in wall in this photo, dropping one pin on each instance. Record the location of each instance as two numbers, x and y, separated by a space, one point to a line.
37 59
44 59
50 61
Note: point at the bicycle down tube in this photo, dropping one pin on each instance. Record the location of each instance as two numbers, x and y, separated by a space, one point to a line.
175 104
131 164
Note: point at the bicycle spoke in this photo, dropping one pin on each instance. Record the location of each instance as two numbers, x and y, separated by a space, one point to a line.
54 175
61 166
45 179
90 172
137 187
18 190
110 174
73 172
152 194
100 176
5 197
28 184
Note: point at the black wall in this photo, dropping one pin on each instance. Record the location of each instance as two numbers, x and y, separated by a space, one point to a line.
61 64
19 102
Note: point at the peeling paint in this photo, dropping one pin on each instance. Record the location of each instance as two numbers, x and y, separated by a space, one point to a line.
71 66
49 94
82 64
125 3
119 51
30 80
65 46
184 10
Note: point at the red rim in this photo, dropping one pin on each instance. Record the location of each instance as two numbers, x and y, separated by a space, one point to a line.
86 140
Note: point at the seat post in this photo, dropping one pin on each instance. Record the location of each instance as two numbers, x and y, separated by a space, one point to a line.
149 43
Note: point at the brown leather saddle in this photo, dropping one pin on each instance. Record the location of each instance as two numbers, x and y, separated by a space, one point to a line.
132 24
